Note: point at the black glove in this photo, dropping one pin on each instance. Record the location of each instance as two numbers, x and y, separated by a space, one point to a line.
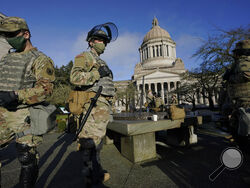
7 97
104 71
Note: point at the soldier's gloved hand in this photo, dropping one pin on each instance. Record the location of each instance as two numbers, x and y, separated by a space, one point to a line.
104 71
7 97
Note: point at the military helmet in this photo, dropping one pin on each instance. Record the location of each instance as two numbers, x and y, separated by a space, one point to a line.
13 24
242 47
107 32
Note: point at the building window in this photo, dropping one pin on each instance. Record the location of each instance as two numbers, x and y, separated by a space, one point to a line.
153 51
167 51
146 88
147 53
153 88
159 89
157 51
160 50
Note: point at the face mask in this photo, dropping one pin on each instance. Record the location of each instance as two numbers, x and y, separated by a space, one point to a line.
17 43
99 47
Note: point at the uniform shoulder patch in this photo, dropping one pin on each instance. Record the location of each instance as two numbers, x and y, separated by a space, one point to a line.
80 55
49 71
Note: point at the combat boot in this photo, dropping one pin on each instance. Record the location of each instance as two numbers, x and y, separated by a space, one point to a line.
29 167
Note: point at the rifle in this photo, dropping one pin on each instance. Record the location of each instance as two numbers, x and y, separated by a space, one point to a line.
92 104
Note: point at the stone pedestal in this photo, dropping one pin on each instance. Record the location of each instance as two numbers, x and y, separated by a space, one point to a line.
139 148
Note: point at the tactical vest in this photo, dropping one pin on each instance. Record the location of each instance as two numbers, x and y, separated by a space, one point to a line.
239 81
106 82
241 93
15 70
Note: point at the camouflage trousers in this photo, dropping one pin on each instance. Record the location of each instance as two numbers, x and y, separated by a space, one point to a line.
12 122
95 128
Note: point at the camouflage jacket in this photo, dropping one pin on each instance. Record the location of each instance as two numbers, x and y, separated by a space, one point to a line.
40 70
84 72
85 75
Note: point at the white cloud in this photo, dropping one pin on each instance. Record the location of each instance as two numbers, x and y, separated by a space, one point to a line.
80 44
122 55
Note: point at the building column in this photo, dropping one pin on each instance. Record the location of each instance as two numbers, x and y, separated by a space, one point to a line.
170 51
168 90
144 94
164 50
155 87
149 86
143 54
162 92
140 55
138 93
151 52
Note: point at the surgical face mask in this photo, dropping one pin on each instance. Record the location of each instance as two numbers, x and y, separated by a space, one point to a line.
17 43
99 47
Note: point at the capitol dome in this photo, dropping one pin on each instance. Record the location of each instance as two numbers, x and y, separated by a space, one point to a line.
157 48
156 32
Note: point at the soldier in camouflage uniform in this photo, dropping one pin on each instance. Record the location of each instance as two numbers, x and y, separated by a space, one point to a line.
26 77
4 45
238 90
88 73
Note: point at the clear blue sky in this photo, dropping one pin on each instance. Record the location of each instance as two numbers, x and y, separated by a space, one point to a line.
59 28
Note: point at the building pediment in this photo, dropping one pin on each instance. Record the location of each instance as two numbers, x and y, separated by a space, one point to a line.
159 75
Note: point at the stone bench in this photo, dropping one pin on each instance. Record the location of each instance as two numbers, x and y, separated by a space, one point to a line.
138 137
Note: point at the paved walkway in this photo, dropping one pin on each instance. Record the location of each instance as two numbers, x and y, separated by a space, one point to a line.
60 165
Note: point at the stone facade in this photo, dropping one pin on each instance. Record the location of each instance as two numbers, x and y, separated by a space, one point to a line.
159 69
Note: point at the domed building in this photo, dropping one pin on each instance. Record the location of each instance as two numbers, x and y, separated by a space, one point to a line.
159 69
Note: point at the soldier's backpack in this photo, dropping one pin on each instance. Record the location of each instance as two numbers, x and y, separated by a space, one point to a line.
42 118
77 99
176 112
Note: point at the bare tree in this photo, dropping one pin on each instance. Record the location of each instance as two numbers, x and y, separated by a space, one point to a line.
127 97
217 49
188 90
216 55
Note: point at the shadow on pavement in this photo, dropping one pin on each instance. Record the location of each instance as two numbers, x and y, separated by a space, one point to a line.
69 174
191 166
11 154
65 141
